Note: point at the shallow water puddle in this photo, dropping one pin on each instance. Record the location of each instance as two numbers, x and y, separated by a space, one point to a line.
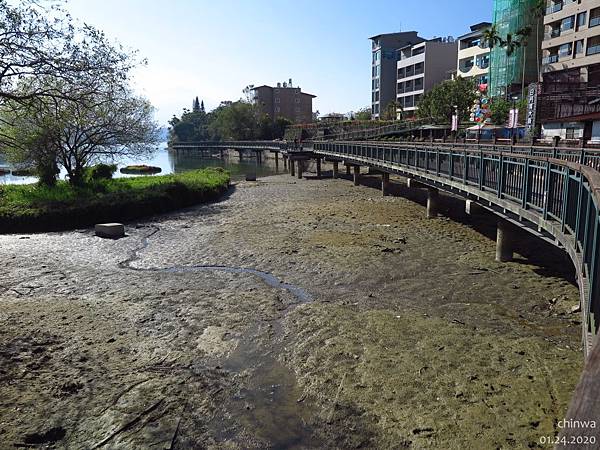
269 406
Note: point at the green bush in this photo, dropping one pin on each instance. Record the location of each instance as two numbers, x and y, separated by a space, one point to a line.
34 207
100 172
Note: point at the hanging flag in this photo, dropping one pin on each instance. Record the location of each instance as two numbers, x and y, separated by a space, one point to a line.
454 122
513 117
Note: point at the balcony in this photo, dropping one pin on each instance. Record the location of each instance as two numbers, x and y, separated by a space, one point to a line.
553 34
593 50
556 7
464 68
550 59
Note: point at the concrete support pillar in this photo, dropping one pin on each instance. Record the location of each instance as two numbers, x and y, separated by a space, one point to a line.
240 154
318 167
472 208
335 169
285 162
504 241
221 153
292 167
356 175
432 203
385 183
300 169
347 169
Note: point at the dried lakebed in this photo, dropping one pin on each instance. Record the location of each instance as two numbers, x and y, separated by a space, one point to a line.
293 314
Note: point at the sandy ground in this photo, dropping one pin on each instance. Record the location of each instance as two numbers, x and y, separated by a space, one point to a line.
380 328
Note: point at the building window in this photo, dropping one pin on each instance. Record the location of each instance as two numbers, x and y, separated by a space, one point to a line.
277 100
419 68
579 47
401 72
277 109
570 133
594 17
581 19
565 50
419 84
567 24
593 45
277 91
482 61
400 88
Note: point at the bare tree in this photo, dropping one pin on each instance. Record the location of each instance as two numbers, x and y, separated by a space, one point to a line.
97 127
40 39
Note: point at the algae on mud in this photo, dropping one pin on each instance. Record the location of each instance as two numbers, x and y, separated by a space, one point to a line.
415 336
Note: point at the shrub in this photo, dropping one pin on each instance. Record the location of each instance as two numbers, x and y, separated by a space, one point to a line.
100 172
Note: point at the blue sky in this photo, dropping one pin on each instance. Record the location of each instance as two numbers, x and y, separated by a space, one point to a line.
215 48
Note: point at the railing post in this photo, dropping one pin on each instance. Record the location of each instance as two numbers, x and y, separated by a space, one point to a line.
481 169
578 216
563 215
466 166
547 189
500 174
525 185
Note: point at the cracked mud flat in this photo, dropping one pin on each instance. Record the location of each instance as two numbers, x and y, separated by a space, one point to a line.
409 335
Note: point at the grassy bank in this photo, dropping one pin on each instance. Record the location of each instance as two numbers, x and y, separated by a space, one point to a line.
27 208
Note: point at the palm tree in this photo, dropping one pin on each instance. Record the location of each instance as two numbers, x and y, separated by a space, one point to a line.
510 44
538 10
524 34
491 38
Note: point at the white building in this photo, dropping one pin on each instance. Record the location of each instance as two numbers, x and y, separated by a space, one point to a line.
420 67
474 55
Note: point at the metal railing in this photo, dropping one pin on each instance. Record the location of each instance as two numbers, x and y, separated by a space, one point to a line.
554 189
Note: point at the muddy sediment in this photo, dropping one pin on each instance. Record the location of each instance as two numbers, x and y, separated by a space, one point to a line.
360 325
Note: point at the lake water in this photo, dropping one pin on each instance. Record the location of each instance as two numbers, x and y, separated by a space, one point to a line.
176 162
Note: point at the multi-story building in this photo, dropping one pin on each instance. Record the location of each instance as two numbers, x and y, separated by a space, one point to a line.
383 67
284 100
420 67
569 100
510 72
474 55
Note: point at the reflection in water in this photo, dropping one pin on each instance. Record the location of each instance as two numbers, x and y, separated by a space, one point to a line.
179 161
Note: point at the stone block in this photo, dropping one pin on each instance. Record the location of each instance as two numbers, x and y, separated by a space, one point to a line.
110 230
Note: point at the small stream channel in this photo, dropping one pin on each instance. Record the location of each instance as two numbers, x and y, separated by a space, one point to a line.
270 404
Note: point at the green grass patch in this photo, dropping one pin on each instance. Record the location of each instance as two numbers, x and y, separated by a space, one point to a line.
140 170
31 207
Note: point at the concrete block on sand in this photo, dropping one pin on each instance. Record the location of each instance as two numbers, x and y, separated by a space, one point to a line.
110 230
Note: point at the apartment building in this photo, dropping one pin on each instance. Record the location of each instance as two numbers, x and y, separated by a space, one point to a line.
284 100
420 67
569 101
384 49
474 55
